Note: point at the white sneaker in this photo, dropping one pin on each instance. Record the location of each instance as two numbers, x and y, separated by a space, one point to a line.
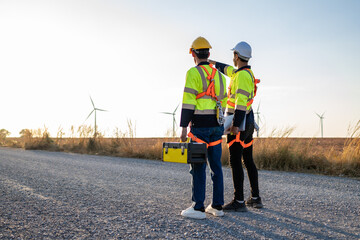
192 213
214 211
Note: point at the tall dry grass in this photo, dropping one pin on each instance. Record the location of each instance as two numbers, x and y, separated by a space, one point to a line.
278 152
348 161
282 153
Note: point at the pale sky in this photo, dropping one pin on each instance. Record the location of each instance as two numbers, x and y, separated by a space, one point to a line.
132 58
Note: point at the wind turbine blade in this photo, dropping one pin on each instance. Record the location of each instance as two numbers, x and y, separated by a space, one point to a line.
318 115
92 102
176 108
89 114
322 115
167 113
100 109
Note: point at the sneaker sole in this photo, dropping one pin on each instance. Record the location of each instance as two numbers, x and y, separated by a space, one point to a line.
216 215
194 217
236 210
255 205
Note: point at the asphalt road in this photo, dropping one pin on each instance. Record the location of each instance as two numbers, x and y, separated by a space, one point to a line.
46 195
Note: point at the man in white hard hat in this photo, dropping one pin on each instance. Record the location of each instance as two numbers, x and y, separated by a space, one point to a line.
242 91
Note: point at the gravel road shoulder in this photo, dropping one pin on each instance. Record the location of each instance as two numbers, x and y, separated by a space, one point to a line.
59 195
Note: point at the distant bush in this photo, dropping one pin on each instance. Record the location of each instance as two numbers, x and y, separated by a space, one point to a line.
38 140
3 135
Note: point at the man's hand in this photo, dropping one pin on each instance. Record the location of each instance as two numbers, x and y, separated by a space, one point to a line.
234 130
183 135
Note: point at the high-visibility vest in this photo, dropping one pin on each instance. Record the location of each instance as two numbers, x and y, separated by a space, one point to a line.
203 99
235 95
242 90
197 86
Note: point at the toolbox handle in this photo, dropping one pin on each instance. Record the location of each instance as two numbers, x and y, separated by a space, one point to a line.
187 140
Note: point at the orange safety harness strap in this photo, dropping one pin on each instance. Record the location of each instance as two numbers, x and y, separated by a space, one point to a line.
230 103
211 88
198 140
242 143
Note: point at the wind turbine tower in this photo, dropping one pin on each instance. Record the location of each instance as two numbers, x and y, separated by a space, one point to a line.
321 123
174 121
257 113
94 111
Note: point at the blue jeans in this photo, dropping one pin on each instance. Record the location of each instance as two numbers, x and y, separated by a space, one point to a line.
197 170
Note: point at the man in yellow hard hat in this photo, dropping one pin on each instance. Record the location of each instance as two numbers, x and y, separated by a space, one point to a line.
204 100
242 91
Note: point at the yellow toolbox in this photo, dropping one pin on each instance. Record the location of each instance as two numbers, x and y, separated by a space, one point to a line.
184 152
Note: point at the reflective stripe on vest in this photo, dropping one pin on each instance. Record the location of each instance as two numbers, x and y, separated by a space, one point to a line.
242 143
198 140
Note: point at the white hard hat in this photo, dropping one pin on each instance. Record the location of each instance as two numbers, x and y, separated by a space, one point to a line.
243 49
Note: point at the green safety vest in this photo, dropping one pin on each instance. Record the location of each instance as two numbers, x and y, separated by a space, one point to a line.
196 83
241 91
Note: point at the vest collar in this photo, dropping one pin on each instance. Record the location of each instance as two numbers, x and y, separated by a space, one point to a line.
203 63
242 68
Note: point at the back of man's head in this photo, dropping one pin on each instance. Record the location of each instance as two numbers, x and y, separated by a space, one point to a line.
202 53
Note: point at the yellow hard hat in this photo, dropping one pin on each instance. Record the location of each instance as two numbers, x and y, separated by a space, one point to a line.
200 43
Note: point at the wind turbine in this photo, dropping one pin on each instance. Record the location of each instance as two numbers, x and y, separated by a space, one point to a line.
257 113
94 111
321 122
174 121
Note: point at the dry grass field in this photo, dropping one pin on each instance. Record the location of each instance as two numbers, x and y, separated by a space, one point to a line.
330 156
